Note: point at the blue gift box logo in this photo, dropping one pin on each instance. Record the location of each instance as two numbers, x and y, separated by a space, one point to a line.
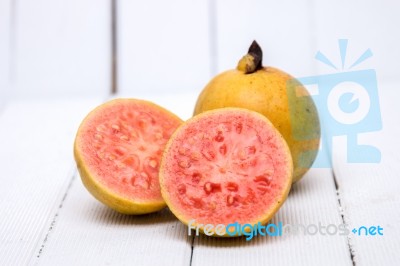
347 104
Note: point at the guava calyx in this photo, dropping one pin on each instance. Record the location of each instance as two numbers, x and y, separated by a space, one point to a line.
252 61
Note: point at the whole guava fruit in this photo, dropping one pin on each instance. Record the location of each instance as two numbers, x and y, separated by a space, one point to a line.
273 93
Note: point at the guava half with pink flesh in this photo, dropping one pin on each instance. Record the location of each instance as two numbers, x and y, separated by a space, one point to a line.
224 166
118 148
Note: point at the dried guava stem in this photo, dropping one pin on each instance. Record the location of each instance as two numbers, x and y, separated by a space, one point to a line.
252 61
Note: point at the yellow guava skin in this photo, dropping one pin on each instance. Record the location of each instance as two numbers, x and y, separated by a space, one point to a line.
101 192
263 219
279 97
109 198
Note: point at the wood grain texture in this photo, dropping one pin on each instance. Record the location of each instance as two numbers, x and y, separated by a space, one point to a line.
83 231
36 165
163 46
62 48
51 219
88 233
369 192
167 53
310 201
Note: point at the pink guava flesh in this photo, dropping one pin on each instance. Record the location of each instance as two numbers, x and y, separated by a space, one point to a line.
122 143
227 166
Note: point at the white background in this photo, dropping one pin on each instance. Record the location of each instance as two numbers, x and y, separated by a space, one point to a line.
56 65
54 48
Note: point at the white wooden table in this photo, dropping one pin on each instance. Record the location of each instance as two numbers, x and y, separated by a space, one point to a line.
55 66
47 216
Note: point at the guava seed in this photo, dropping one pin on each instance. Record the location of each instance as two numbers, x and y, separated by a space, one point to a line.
212 187
207 187
230 200
181 189
123 137
251 150
196 177
222 149
231 186
197 203
153 163
209 155
219 137
239 128
144 175
101 128
158 136
182 151
195 156
184 164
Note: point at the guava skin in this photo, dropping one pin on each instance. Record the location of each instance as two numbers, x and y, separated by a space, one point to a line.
274 94
118 148
223 166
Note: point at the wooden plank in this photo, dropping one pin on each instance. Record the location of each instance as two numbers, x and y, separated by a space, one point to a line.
62 48
369 192
311 201
5 26
163 46
36 140
87 233
283 29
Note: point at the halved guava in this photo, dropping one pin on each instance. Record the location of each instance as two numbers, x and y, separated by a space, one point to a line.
118 149
224 166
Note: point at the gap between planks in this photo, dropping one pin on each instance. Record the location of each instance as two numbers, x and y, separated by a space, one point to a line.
343 217
114 49
57 211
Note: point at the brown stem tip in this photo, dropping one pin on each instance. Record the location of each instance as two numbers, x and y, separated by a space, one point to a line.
252 61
